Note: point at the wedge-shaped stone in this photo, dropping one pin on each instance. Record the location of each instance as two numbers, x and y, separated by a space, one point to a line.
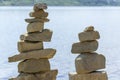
39 6
24 46
36 20
39 14
84 47
37 54
35 27
34 66
98 75
89 36
46 36
89 62
49 75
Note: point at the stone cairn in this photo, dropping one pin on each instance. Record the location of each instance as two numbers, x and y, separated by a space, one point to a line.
88 62
34 63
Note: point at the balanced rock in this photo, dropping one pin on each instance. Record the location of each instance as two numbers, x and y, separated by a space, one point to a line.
39 14
81 47
46 36
34 66
39 6
37 54
35 27
98 75
89 62
24 46
49 75
89 36
89 28
36 20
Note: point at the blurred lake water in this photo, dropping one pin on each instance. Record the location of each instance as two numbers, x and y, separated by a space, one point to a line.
66 23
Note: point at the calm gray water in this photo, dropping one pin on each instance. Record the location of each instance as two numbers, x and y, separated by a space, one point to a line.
66 23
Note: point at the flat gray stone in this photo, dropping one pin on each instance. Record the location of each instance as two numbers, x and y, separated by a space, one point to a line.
37 54
49 75
34 66
81 47
89 36
98 75
89 62
31 20
24 46
35 27
45 36
39 14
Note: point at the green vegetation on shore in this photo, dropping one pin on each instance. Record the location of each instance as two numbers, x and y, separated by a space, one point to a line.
61 2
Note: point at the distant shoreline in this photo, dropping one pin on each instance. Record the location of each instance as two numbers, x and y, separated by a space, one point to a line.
58 7
61 2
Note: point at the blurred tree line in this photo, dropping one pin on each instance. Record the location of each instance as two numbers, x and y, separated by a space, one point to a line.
61 2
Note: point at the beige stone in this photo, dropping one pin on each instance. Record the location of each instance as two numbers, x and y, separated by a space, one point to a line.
39 6
49 75
98 75
39 14
23 76
35 27
34 66
46 36
84 47
37 54
36 20
89 62
89 36
24 46
89 28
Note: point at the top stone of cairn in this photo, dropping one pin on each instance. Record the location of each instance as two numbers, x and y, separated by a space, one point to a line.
89 28
39 6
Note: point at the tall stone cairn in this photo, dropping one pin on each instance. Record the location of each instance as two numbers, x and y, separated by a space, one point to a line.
88 61
34 63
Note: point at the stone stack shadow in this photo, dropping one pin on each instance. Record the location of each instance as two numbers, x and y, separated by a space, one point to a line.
88 62
34 58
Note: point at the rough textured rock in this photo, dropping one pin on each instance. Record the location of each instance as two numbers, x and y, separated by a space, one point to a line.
89 28
36 20
34 66
37 54
46 36
89 62
88 36
49 75
39 6
98 75
35 27
39 14
84 47
24 46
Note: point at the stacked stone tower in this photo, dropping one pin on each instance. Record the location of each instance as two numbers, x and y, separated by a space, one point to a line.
34 63
88 62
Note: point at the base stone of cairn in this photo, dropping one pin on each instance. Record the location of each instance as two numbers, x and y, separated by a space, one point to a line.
49 75
88 61
34 58
98 75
